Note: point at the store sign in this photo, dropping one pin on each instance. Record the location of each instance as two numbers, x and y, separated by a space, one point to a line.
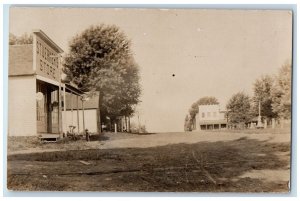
47 60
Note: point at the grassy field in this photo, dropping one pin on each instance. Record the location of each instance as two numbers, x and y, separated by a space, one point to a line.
240 164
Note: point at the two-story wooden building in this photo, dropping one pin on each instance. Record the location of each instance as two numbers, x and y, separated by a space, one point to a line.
37 93
210 117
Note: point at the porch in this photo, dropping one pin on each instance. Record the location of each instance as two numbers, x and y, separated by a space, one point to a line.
51 109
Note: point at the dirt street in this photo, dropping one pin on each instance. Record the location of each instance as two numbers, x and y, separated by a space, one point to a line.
173 162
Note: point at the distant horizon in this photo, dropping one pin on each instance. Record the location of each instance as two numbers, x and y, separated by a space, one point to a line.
210 52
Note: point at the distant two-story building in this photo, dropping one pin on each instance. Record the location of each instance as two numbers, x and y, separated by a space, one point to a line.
210 117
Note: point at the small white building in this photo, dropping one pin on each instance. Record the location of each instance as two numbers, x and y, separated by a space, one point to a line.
210 117
81 114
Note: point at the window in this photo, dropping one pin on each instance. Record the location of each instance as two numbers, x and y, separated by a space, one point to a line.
203 114
208 114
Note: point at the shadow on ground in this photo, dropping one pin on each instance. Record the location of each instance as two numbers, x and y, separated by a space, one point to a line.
99 138
199 167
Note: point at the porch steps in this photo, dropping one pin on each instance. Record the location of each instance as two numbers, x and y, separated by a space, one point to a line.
49 137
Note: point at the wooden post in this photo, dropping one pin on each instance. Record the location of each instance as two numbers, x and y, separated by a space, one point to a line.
65 112
59 111
99 125
59 98
78 130
126 124
72 107
83 121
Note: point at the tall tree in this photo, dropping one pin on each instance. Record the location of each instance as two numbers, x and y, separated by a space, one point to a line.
262 92
239 108
281 92
100 59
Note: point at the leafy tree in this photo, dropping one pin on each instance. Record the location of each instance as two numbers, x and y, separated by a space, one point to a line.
281 92
194 110
100 59
187 123
239 108
23 39
121 101
262 92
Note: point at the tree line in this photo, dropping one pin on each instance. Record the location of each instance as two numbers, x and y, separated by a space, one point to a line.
20 40
273 93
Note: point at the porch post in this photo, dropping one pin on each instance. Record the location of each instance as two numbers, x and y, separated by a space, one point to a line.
65 112
59 110
78 129
83 122
72 107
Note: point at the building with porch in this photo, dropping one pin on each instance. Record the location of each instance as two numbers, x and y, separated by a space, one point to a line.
37 93
210 117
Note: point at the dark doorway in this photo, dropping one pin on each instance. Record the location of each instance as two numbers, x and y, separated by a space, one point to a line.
47 108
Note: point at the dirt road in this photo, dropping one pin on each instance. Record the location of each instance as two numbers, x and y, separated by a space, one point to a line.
176 162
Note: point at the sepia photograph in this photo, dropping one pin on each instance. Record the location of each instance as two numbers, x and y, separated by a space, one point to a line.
149 100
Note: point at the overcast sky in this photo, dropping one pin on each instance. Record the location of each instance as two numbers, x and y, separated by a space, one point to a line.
210 52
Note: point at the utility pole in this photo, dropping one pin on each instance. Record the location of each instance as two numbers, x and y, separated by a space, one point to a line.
259 123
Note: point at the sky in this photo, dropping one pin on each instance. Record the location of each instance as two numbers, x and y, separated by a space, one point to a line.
183 54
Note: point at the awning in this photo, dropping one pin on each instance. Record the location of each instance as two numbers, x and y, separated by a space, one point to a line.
73 89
